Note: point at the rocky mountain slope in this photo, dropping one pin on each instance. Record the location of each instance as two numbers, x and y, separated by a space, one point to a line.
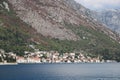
61 25
49 16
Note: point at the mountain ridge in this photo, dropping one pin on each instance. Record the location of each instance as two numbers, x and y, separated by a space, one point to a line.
110 17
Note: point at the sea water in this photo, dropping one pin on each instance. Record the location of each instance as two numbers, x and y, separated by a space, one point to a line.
82 71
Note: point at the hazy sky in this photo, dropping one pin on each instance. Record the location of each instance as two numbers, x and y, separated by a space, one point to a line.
100 4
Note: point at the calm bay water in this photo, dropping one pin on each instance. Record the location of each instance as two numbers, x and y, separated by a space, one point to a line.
105 71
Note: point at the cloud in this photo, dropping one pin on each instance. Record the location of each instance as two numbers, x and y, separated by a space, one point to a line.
100 4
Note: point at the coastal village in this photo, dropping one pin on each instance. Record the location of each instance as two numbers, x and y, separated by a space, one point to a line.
54 57
48 57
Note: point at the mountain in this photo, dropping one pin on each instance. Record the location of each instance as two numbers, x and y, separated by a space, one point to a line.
48 17
61 25
111 18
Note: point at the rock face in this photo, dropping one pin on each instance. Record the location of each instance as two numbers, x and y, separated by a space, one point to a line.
48 17
111 18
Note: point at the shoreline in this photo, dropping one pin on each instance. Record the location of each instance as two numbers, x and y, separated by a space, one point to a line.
71 63
55 63
8 63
